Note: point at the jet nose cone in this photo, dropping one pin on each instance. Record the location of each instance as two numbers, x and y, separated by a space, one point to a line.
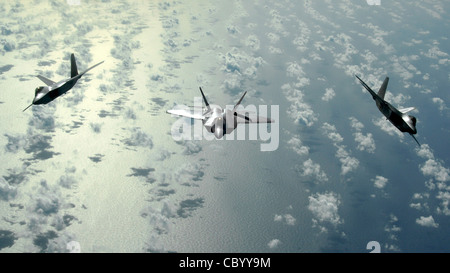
218 133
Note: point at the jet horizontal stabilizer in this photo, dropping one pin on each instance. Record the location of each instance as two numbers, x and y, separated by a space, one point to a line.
239 102
406 110
45 80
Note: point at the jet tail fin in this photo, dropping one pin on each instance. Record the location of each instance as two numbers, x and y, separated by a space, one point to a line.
383 87
73 66
204 98
239 102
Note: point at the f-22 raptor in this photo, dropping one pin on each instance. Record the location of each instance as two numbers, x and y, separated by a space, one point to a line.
46 94
398 117
220 121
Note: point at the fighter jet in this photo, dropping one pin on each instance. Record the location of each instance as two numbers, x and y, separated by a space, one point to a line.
398 117
45 94
220 121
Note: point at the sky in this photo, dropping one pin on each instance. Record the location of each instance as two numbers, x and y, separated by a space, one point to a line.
100 169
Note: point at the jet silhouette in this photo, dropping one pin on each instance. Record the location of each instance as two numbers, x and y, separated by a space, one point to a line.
46 94
399 118
220 121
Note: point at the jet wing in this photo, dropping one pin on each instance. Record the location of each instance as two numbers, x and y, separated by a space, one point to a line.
374 95
45 80
243 117
84 72
185 113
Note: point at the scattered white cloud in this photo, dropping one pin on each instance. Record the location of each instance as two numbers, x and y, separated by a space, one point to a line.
365 142
433 167
7 192
329 94
331 133
252 42
439 177
274 243
392 229
324 207
348 163
312 170
386 126
379 181
427 221
298 110
296 144
286 218
440 103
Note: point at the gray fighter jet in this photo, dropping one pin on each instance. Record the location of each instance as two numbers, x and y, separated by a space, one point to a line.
398 117
220 121
45 94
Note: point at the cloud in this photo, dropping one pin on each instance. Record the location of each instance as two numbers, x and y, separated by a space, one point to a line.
273 38
274 243
252 42
324 207
433 167
296 144
379 181
239 67
7 238
159 218
276 23
189 173
439 177
331 133
286 218
392 229
145 173
329 94
365 142
440 102
139 138
444 196
47 200
427 221
67 181
7 192
298 110
187 206
348 163
312 170
386 126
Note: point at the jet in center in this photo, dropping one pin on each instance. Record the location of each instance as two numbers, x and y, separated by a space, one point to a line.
220 121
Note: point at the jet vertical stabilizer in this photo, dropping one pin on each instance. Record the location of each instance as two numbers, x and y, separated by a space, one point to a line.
73 66
383 87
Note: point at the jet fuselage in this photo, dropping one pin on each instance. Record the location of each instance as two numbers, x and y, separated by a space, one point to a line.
46 94
220 122
405 123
